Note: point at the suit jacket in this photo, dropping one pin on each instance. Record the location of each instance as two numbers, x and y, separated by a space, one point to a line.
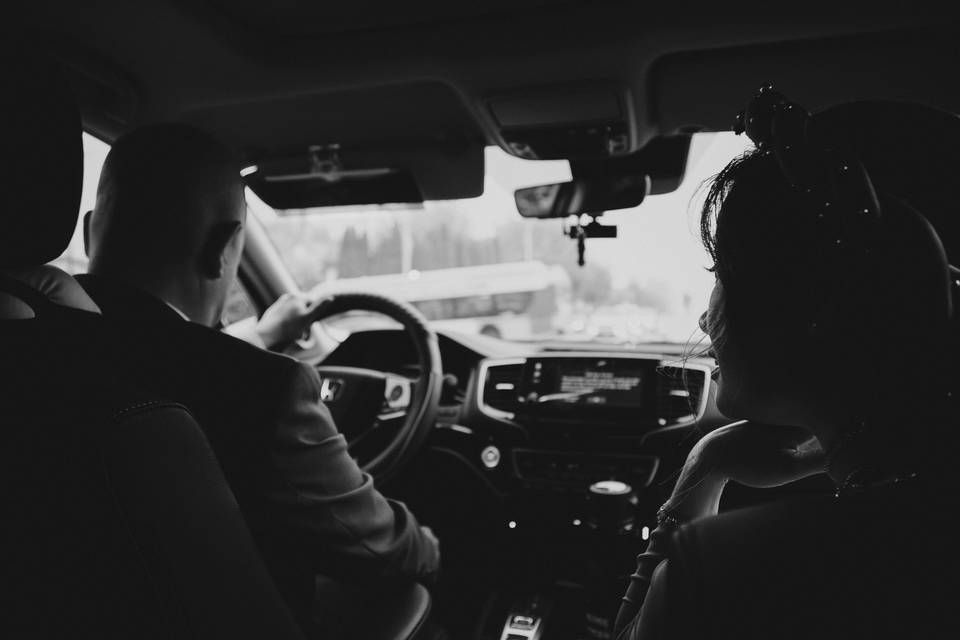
310 508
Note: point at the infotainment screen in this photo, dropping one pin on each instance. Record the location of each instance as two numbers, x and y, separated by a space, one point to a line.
600 386
616 383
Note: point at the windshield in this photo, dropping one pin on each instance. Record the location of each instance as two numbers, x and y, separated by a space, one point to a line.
476 266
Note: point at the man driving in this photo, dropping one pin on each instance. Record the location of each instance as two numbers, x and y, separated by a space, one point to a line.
164 241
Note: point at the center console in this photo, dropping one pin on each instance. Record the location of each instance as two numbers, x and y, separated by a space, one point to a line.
581 444
525 618
574 470
587 414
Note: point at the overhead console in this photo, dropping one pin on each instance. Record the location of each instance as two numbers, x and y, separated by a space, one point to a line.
565 121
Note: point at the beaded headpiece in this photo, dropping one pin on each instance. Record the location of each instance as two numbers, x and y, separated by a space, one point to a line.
819 169
828 174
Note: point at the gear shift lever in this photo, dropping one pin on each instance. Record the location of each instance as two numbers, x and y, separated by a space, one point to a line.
612 507
612 515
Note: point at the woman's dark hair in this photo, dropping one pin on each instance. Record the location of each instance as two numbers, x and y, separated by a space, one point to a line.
749 239
773 253
874 328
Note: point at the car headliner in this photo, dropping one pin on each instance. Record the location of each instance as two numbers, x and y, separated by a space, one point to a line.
369 73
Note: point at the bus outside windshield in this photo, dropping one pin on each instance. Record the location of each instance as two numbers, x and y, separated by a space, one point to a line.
513 300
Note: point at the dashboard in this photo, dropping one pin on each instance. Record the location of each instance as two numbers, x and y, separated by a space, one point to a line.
530 436
528 419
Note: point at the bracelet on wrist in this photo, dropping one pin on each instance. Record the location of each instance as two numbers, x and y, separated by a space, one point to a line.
665 518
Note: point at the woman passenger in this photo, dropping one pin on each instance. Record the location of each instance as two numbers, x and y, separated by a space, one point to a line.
832 325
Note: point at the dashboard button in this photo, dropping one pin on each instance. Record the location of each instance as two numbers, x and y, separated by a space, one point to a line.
490 457
522 622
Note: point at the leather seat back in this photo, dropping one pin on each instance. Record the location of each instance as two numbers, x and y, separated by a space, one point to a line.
117 521
880 564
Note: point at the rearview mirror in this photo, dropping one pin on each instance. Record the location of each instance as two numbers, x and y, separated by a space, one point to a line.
608 184
595 194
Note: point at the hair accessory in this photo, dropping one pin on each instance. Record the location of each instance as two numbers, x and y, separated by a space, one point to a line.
821 170
811 164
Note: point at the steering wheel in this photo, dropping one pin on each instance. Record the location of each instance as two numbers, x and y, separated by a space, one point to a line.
366 401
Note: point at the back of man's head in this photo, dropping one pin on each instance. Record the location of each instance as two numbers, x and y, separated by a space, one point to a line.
168 213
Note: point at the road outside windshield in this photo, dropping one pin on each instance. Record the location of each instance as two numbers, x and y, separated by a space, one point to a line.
475 266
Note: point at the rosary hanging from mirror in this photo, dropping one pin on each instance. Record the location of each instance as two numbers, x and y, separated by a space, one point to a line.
593 229
581 244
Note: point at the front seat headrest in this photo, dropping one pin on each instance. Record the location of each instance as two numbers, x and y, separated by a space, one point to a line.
41 171
910 151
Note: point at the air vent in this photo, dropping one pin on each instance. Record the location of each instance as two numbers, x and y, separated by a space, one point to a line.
679 394
500 385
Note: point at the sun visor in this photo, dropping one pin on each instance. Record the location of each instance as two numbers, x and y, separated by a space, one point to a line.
593 120
331 176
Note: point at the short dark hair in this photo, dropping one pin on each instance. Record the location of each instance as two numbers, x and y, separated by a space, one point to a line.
161 186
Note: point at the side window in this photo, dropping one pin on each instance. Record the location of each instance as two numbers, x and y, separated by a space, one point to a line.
74 259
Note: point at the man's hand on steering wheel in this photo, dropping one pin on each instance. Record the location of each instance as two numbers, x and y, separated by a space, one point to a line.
362 400
288 319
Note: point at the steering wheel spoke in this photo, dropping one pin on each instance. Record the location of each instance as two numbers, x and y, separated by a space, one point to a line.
397 395
384 416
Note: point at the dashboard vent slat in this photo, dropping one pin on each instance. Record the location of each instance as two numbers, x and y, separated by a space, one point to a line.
679 393
500 386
